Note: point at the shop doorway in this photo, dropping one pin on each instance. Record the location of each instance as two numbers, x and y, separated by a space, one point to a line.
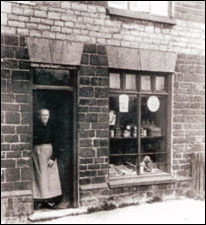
60 104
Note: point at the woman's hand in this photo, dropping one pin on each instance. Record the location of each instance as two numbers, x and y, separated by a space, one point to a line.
50 163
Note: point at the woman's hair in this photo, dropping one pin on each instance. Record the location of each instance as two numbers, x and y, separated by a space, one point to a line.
39 111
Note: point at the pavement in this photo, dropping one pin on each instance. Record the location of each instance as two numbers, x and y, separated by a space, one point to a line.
182 211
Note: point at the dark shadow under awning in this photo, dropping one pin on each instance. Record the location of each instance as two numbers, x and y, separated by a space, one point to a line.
141 59
60 52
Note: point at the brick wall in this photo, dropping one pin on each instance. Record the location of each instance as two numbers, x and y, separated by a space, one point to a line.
93 115
189 111
15 123
193 11
134 194
90 24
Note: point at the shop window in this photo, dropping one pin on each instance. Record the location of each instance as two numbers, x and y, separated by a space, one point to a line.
138 119
159 8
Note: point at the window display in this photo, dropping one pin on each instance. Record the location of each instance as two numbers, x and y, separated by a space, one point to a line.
138 135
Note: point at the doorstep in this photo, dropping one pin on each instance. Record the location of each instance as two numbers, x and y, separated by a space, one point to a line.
50 214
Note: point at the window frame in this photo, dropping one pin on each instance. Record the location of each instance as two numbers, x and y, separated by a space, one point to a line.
167 93
114 11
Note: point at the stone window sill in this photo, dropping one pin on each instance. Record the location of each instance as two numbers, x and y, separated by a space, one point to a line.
140 16
141 180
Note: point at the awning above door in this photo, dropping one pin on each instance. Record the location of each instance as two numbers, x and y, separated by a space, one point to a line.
140 59
54 51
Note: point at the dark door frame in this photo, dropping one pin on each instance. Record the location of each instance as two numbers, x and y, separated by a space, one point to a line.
75 136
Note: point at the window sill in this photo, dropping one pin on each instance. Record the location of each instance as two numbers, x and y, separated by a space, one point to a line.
140 16
141 180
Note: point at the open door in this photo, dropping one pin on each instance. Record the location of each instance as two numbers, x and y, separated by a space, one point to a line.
60 105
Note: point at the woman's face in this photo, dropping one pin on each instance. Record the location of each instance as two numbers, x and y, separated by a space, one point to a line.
44 116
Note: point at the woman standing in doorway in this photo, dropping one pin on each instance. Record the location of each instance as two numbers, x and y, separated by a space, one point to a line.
46 181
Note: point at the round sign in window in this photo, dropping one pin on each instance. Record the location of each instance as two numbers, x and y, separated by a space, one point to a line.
153 103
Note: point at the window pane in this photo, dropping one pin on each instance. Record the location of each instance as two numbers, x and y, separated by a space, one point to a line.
142 6
146 83
154 133
118 4
130 82
52 77
160 83
159 8
114 80
123 138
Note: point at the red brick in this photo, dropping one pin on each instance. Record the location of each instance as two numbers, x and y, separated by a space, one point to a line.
23 163
11 138
11 40
100 179
9 107
86 161
7 98
7 129
102 152
26 174
90 48
11 155
23 130
25 185
88 152
84 181
8 163
101 92
99 60
91 117
7 187
87 174
20 75
12 175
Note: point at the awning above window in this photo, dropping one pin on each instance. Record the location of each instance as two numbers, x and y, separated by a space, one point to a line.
140 59
54 51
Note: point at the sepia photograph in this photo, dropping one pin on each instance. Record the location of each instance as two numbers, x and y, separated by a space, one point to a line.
102 112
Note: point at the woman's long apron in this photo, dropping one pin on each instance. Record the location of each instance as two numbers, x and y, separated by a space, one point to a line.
46 181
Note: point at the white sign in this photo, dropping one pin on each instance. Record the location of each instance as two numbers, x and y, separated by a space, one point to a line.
124 103
153 103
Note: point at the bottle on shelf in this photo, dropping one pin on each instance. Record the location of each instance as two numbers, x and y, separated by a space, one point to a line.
118 132
135 131
127 131
112 133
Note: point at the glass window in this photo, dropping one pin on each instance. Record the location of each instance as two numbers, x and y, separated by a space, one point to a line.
160 84
142 6
159 8
114 80
145 83
123 138
139 127
52 77
131 82
153 133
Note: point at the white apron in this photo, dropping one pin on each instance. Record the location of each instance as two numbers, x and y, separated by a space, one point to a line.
46 181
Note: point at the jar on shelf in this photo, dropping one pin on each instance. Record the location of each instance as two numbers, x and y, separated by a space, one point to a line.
135 131
118 132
